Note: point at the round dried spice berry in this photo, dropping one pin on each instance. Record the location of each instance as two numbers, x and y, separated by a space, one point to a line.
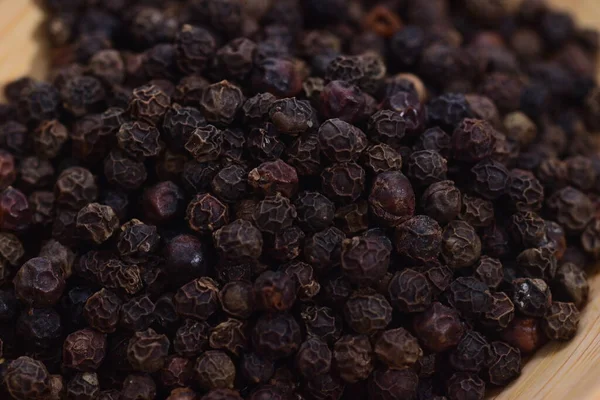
205 143
571 284
448 111
409 291
439 328
313 358
461 246
352 357
237 298
49 138
315 211
239 241
139 139
472 140
277 76
275 291
353 218
571 208
291 116
307 285
463 385
500 313
198 299
272 177
442 201
581 172
527 229
419 239
489 271
504 364
177 372
470 355
365 260
194 47
387 127
469 295
390 384
205 213
304 155
38 101
84 350
97 222
491 179
124 172
101 311
84 385
341 142
537 263
476 211
524 333
322 249
256 109
381 158
137 241
38 283
149 103
191 338
15 213
82 95
343 182
274 214
215 370
27 379
276 335
426 167
147 351
367 312
75 188
392 198
525 191
343 100
561 321
397 348
531 297
221 102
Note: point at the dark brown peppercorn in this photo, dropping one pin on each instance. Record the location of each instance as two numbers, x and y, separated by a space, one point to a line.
276 335
215 370
387 127
464 385
221 102
97 222
191 338
352 357
439 328
389 384
397 348
504 364
537 263
472 140
571 284
489 271
461 246
274 214
313 358
39 283
561 321
84 350
149 103
238 241
272 177
343 182
230 335
139 139
367 312
84 386
101 311
237 299
532 297
49 138
527 229
572 208
524 334
230 183
26 378
426 167
392 198
275 291
409 291
147 351
198 299
365 260
15 213
177 372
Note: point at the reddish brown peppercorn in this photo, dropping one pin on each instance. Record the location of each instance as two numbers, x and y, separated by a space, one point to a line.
397 348
27 379
39 283
84 350
392 198
147 351
197 299
439 328
352 356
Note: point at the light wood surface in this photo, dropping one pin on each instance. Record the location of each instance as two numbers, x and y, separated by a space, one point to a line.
559 371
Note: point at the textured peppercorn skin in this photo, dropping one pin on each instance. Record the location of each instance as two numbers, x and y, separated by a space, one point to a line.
26 378
392 198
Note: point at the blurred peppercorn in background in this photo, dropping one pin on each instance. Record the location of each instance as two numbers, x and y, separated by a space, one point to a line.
317 199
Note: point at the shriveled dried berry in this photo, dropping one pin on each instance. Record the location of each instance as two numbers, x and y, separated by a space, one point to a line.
272 177
527 229
472 140
442 201
75 188
39 283
198 299
532 297
205 213
275 291
230 183
409 291
221 102
439 328
504 364
84 350
15 213
352 218
537 263
561 321
97 222
84 386
571 284
491 179
489 271
367 312
313 358
101 311
123 171
26 378
461 246
343 182
365 260
388 127
352 357
304 155
572 209
191 338
397 348
276 335
465 385
426 167
471 353
392 198
149 103
239 241
389 384
147 351
469 296
215 370
274 214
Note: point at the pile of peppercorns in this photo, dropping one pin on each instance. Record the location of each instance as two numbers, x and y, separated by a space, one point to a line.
295 199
